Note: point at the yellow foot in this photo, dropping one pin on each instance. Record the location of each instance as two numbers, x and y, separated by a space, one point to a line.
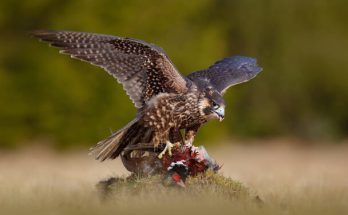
168 148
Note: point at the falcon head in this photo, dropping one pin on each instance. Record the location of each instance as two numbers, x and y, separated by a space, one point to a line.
211 104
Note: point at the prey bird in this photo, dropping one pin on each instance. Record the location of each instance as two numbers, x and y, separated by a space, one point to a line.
167 102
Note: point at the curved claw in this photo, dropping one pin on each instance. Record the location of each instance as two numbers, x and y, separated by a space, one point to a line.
168 148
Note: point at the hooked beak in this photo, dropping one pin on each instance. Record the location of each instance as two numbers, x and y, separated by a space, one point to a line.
220 112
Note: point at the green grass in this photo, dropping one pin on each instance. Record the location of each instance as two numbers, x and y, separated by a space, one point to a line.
204 186
206 194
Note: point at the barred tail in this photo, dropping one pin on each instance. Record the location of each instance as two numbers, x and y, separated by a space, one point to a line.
112 147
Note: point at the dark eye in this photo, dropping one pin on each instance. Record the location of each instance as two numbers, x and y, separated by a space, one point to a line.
215 106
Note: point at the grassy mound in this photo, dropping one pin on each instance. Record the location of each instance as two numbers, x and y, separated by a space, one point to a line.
206 186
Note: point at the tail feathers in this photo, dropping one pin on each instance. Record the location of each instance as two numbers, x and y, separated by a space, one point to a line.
112 147
107 147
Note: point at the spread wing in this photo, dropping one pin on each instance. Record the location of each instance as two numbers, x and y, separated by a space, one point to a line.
228 72
143 69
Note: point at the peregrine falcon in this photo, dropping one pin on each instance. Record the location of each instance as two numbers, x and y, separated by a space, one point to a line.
167 102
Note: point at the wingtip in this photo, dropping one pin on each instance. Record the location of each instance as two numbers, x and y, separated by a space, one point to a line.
44 35
40 32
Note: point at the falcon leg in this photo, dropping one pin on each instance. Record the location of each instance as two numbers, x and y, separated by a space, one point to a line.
176 137
190 134
168 148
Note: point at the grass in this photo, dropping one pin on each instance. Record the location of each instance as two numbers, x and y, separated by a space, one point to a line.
289 180
204 186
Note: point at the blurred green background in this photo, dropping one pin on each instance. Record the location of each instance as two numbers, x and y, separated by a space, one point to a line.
302 46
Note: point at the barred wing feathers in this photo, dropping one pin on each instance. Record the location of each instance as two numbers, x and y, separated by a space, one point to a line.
143 69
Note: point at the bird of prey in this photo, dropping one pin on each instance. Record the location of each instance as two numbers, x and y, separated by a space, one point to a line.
167 102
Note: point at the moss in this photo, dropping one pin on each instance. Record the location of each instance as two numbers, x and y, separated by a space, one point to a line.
204 186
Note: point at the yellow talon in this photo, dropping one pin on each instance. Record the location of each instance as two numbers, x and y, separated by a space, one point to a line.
168 148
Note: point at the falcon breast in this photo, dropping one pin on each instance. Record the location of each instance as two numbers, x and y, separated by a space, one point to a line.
167 102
